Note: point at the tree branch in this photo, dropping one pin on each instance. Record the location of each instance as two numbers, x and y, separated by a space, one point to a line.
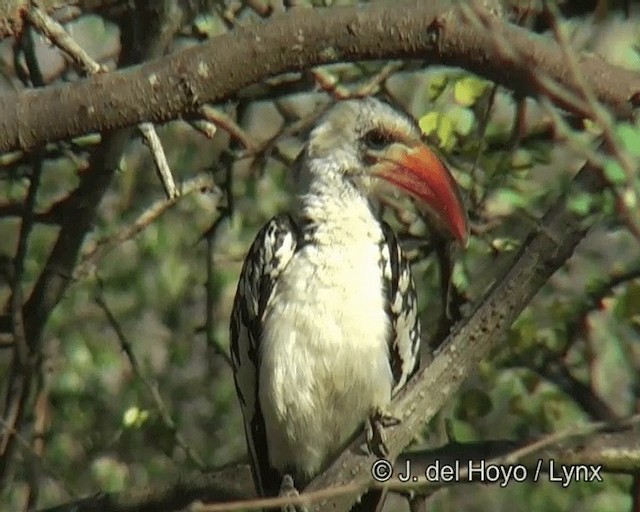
435 32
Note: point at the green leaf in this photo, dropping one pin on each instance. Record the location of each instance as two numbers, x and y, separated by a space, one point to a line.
134 417
463 119
504 244
109 473
524 333
468 89
436 85
580 203
428 123
607 202
440 125
628 305
629 136
591 127
510 197
474 403
459 276
630 198
614 172
521 159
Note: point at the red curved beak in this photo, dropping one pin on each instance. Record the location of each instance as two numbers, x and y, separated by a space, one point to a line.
419 172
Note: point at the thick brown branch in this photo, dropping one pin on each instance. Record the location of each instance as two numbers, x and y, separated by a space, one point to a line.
163 89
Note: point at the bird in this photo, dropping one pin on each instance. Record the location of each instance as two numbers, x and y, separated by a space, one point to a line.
324 329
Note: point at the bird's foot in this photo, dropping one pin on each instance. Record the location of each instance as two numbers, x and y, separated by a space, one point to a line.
288 490
375 424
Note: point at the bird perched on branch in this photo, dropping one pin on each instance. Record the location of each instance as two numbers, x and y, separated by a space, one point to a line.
324 328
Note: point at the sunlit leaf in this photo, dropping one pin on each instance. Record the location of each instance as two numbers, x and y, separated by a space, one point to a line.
459 276
468 89
591 127
134 417
629 136
208 25
510 197
504 244
614 172
630 198
436 85
440 126
580 203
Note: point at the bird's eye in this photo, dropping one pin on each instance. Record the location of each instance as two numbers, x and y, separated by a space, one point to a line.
375 139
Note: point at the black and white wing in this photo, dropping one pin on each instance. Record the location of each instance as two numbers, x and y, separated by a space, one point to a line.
404 334
402 309
268 256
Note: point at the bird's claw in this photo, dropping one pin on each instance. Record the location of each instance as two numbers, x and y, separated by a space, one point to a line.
376 437
288 490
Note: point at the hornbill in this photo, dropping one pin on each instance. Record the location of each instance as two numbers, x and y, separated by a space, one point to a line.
324 327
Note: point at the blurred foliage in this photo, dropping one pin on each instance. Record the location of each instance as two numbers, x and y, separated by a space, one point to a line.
105 430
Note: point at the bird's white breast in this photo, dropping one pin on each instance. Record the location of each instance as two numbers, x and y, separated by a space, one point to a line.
324 355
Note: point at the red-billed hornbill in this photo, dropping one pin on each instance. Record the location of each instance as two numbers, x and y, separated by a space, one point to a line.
324 328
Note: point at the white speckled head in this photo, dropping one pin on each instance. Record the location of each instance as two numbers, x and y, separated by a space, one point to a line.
358 144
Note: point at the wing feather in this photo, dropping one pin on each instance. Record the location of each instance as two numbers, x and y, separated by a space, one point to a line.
402 309
268 256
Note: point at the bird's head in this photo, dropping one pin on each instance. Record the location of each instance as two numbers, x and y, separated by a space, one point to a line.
367 140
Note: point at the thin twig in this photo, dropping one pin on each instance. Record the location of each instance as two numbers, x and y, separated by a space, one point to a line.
212 341
303 499
152 141
598 115
61 38
481 132
151 386
28 451
100 248
225 122
42 415
593 299
205 127
22 363
330 84
418 504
